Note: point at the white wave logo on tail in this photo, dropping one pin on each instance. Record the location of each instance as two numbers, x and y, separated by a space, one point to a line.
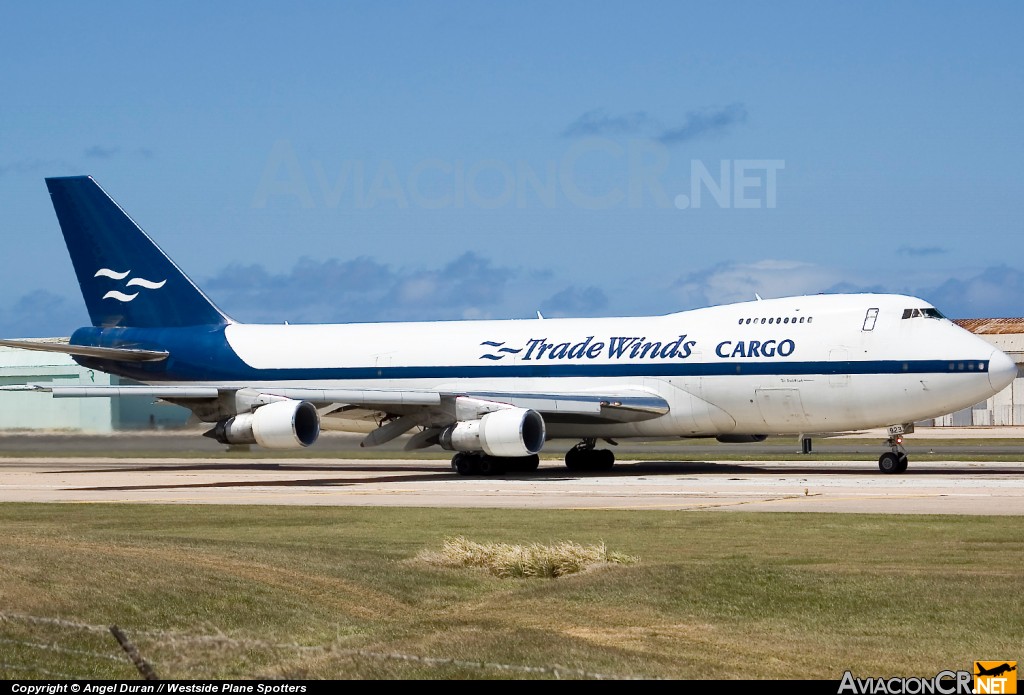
134 282
113 274
148 284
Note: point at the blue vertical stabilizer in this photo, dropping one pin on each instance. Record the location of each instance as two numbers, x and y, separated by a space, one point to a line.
125 278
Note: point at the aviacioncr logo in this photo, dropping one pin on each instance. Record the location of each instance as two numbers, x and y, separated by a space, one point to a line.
134 282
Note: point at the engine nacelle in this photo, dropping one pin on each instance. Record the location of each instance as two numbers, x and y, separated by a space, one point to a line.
286 424
506 432
741 438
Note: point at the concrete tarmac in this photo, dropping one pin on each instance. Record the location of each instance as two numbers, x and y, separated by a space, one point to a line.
932 487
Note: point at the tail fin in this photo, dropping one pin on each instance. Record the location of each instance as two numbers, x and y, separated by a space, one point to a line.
125 278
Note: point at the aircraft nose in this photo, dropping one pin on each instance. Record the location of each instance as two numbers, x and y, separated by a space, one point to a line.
1001 370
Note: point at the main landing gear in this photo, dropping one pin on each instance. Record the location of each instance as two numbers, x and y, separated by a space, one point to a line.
584 457
895 460
465 463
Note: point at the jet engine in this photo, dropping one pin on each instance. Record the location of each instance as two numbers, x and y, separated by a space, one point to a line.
506 432
285 424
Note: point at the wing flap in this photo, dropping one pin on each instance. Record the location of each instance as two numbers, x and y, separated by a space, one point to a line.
375 397
612 406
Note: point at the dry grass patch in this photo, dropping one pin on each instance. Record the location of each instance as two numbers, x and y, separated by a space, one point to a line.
533 560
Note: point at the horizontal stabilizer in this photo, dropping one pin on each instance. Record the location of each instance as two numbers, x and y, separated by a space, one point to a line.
106 353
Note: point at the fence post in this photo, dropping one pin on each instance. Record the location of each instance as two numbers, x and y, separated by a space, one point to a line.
144 668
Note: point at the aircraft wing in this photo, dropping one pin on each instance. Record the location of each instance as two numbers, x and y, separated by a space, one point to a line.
624 405
166 392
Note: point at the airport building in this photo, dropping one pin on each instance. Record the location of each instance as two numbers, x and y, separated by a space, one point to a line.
1007 406
26 410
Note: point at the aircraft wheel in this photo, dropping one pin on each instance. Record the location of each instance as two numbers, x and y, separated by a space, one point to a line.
903 463
464 464
889 462
589 459
523 464
575 460
491 465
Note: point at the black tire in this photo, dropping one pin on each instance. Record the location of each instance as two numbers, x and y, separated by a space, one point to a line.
889 463
603 460
491 465
903 463
464 464
522 464
575 460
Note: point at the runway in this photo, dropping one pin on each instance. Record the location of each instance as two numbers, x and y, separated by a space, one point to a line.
936 487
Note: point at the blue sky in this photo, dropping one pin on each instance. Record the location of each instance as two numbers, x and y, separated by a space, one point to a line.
403 161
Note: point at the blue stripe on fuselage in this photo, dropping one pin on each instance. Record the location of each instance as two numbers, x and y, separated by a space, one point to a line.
203 354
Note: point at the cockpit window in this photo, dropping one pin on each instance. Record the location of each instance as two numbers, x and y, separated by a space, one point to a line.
927 312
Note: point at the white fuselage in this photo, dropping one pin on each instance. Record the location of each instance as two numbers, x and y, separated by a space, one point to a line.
821 363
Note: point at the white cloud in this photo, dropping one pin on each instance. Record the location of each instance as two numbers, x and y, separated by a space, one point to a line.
738 282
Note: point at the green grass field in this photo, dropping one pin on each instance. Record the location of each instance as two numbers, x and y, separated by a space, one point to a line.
328 592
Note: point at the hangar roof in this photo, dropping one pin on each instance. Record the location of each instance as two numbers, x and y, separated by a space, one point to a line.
992 326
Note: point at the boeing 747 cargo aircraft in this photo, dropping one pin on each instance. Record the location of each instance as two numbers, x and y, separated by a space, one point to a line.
494 392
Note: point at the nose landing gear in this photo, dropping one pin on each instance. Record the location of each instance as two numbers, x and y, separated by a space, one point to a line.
895 460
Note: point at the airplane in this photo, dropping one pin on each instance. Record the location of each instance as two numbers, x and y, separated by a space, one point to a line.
994 671
495 391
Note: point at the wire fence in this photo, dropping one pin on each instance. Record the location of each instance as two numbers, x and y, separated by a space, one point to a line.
55 648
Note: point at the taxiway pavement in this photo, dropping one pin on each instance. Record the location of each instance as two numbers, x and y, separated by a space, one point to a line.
933 487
